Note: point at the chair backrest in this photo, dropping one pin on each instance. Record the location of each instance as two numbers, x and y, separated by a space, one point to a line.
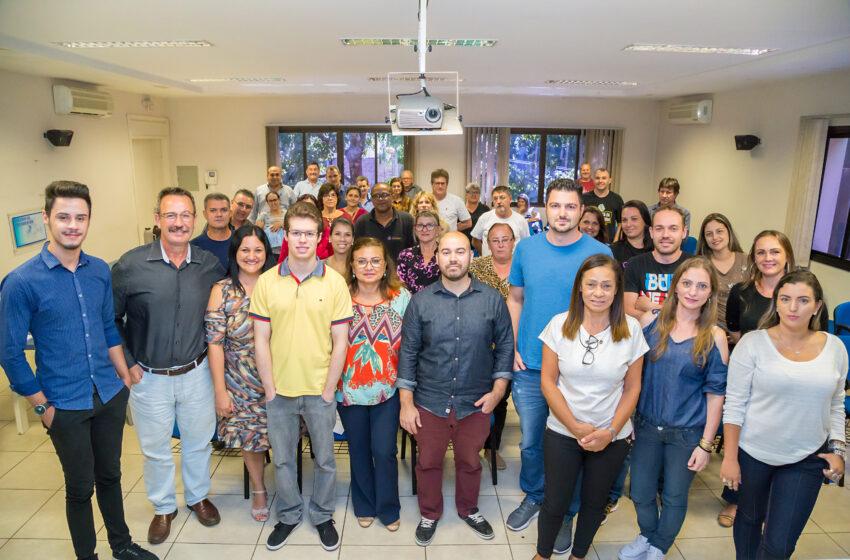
690 245
845 338
841 317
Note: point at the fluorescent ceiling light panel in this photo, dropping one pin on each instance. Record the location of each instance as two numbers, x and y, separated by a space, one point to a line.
692 49
406 42
131 44
238 79
412 79
590 83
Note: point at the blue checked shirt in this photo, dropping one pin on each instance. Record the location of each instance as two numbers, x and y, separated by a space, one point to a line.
71 318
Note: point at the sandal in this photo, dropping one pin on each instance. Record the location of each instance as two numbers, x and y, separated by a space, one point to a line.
261 514
365 521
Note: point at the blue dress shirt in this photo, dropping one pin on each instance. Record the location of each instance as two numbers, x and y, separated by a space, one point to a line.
71 318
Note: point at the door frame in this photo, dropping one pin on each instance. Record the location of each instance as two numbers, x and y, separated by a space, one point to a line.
145 127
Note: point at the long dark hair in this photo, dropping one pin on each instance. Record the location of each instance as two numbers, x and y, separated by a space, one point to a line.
800 276
617 311
640 206
236 238
702 245
602 236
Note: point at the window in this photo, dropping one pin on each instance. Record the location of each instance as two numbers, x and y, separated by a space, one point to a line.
537 156
372 152
831 242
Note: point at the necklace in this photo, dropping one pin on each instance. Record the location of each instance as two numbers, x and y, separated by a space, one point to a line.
789 347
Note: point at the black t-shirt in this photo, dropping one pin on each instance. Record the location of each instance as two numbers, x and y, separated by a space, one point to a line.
623 251
611 207
479 211
648 277
396 236
746 307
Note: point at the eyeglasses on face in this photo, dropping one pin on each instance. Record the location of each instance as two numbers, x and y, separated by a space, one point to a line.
172 216
376 262
302 234
426 227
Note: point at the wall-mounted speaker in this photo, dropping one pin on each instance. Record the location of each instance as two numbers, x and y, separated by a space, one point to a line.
746 141
59 137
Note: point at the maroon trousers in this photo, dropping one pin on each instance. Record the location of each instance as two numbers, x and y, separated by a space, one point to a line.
467 437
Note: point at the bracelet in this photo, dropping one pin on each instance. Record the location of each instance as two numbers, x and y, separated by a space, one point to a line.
613 432
706 445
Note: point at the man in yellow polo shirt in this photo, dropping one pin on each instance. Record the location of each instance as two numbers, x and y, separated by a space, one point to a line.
301 311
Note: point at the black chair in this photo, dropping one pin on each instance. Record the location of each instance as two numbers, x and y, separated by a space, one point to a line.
405 435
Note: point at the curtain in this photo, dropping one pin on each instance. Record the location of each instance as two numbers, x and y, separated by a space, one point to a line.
487 149
410 152
805 186
603 148
272 147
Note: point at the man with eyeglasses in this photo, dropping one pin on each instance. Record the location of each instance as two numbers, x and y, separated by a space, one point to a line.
161 291
241 208
301 311
502 213
454 367
393 228
216 236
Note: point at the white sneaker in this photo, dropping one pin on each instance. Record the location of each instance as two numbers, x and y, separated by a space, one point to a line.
636 550
654 554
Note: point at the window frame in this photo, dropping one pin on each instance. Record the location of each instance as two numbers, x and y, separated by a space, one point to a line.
818 256
541 173
340 143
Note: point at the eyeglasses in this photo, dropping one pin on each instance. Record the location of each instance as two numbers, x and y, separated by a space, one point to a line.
426 227
501 241
172 216
377 262
304 234
590 346
381 196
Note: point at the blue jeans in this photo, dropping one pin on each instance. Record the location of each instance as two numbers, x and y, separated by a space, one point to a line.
533 411
371 434
662 453
156 401
780 497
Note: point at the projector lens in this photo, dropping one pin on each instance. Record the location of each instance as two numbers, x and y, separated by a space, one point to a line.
433 115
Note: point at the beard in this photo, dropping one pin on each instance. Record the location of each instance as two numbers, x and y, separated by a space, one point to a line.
456 274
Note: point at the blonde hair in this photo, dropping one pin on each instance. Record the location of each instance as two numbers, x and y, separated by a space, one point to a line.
414 208
704 340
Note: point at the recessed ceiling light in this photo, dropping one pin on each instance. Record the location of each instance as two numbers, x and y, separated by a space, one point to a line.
692 49
590 83
406 42
238 79
131 44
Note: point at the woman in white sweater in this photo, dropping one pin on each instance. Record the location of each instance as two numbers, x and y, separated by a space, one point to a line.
783 420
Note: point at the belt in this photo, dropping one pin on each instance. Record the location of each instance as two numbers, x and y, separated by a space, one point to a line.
177 370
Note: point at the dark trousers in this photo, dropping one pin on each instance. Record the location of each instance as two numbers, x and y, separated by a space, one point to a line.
88 443
779 497
500 413
371 434
563 462
467 436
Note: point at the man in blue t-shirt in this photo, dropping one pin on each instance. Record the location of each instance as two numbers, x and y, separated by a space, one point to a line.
542 275
216 236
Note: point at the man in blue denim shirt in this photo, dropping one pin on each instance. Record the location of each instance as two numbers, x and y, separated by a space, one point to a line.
64 298
454 366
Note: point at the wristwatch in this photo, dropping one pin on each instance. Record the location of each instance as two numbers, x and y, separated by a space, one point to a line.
839 448
40 409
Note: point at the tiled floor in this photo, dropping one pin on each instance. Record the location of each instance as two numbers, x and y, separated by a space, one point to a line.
32 516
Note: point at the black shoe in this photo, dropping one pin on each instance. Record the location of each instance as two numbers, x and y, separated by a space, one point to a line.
425 531
133 552
328 535
478 524
279 535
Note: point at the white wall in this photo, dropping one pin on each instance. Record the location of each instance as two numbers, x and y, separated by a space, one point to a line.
227 134
98 156
751 188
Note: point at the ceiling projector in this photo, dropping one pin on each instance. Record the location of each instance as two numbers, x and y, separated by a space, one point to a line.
419 111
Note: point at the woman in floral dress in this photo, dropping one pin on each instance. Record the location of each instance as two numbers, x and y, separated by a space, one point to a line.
239 395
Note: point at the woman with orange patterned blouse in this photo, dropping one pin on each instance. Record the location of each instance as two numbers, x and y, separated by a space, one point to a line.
367 401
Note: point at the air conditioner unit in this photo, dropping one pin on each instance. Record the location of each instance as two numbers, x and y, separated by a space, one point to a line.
694 112
76 101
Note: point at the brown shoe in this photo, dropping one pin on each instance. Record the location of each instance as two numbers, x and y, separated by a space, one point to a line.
160 527
207 513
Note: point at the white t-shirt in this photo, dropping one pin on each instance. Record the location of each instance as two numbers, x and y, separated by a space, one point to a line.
453 210
488 219
786 409
592 392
